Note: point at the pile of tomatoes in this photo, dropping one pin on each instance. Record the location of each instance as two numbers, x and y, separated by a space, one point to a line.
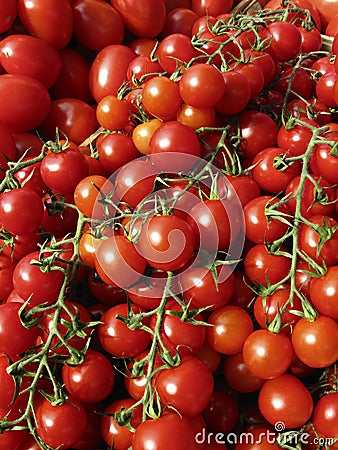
168 224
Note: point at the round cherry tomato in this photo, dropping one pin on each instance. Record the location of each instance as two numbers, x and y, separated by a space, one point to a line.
115 150
236 94
60 425
325 415
285 399
221 413
316 342
187 387
161 97
166 242
35 285
323 292
92 380
201 85
225 336
50 20
165 433
15 338
62 171
238 376
115 336
285 41
267 355
115 434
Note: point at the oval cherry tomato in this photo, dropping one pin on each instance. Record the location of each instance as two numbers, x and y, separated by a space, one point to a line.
50 20
145 20
24 102
18 56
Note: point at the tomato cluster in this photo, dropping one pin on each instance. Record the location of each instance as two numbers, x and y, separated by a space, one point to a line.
168 224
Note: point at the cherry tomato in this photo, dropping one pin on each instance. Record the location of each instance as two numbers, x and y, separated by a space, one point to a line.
179 20
73 117
161 97
96 24
62 171
201 85
92 380
323 249
51 20
200 288
8 15
270 174
165 433
187 387
15 338
325 415
315 342
145 20
60 425
114 434
267 355
258 131
238 376
221 413
21 211
166 242
285 41
109 70
115 150
323 292
265 268
115 336
237 92
225 336
73 79
285 399
17 56
30 95
259 227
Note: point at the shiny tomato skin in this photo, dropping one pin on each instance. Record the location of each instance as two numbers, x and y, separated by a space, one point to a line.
324 291
33 284
92 380
24 102
224 335
61 172
316 342
266 354
165 433
325 415
21 211
14 337
62 425
9 11
285 399
17 56
115 336
109 70
160 249
115 435
73 117
50 20
97 24
258 131
238 376
285 41
73 79
193 383
144 19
